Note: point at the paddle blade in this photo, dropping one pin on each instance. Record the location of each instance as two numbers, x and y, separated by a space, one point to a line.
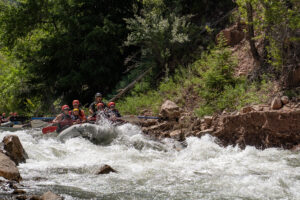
49 129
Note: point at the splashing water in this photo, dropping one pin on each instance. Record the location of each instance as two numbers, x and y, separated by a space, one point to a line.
155 170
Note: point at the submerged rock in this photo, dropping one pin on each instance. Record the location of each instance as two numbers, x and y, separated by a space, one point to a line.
105 169
50 196
13 148
8 168
18 191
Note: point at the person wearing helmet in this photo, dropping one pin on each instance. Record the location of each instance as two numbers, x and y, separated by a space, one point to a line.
77 119
100 113
63 120
11 114
3 118
93 106
76 104
113 112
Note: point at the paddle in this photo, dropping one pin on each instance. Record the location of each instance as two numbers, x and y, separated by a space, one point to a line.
39 123
49 129
43 118
132 118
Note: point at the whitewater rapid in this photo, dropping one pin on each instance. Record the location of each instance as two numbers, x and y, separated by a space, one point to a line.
152 170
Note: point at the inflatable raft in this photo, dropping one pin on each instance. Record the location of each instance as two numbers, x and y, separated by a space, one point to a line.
97 134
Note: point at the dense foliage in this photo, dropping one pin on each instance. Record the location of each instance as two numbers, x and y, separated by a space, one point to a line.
53 51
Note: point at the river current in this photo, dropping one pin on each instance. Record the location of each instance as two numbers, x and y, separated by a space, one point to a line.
149 169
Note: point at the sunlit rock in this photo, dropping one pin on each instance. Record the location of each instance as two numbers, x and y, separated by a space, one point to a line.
50 196
169 110
13 148
8 168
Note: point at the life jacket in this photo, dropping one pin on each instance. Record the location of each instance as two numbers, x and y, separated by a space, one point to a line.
65 122
76 117
66 117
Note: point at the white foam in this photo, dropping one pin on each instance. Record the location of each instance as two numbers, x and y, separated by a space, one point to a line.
153 170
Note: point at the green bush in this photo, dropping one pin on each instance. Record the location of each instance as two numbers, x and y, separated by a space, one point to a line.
211 78
219 88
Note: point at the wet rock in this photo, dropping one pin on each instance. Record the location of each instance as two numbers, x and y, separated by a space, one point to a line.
105 169
169 110
163 135
34 197
296 148
14 149
176 135
276 103
18 191
159 128
204 132
148 122
285 100
6 185
50 196
23 197
8 168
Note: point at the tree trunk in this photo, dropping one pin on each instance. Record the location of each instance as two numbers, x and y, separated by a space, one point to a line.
131 85
250 32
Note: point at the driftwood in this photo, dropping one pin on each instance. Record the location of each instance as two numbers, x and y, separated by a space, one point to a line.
130 86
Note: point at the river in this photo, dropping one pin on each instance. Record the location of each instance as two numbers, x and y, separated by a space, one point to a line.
152 170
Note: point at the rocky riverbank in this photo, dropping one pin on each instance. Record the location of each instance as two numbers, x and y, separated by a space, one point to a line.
262 126
11 154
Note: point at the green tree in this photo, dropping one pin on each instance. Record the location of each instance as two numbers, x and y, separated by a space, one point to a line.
70 48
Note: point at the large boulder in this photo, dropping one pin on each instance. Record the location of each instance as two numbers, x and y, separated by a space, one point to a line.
8 168
13 148
276 103
169 110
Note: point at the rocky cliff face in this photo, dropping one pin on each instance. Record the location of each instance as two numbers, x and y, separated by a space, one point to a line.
261 129
262 126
